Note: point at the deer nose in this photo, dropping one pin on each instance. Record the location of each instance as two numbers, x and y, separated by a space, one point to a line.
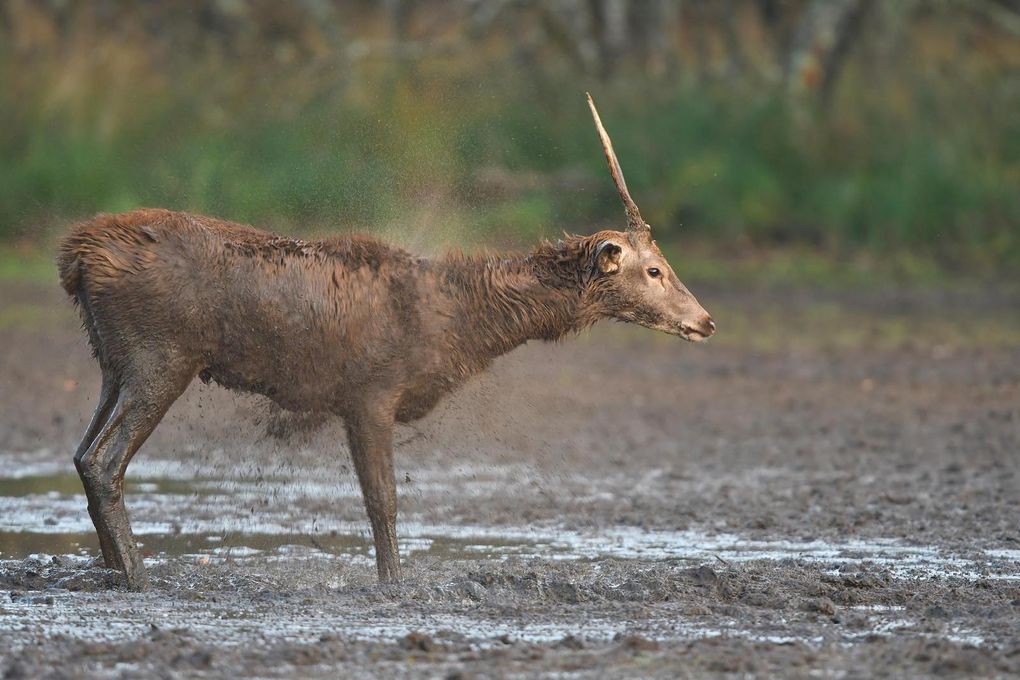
706 327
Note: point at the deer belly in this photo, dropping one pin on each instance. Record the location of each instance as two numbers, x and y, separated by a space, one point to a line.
295 387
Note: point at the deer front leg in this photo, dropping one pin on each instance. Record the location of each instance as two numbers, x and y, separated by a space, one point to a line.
371 438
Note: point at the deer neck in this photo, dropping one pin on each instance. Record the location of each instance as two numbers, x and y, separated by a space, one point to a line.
504 302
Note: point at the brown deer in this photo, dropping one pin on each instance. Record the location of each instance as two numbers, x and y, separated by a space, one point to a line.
348 325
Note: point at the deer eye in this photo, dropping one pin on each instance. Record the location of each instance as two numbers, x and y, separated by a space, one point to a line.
653 272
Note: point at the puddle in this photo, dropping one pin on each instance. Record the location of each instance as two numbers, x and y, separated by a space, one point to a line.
227 520
58 485
230 520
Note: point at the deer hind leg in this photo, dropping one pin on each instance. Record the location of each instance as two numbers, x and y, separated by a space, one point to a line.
142 400
107 398
372 450
108 395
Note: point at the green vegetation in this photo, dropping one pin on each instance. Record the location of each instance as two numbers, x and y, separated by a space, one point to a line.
912 166
32 265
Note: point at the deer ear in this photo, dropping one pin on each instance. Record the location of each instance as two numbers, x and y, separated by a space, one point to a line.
607 257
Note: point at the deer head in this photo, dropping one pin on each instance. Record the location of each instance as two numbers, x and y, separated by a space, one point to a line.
632 281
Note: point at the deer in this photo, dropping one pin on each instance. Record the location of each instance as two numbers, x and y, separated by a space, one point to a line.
348 326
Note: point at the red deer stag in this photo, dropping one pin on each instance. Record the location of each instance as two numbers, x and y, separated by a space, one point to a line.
346 325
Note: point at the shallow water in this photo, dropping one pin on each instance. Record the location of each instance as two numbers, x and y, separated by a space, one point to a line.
217 521
223 524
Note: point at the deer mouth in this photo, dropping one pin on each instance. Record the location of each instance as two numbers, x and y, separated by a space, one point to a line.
694 334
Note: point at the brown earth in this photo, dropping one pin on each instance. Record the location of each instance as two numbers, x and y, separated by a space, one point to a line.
849 457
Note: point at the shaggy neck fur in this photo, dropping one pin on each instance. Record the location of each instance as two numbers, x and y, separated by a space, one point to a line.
502 302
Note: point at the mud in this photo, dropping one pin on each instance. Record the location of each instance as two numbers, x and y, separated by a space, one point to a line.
831 489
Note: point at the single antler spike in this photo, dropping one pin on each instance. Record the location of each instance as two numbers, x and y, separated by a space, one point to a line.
634 221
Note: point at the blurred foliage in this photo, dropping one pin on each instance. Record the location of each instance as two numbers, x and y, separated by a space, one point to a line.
886 129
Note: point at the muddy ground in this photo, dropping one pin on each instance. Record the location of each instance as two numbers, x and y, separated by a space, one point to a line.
829 487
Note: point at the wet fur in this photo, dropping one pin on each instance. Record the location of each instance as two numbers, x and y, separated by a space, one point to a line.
348 325
315 325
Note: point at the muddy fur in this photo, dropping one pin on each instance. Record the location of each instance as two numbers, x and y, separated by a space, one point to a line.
348 326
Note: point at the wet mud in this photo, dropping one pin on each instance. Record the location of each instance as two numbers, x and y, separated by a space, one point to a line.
843 501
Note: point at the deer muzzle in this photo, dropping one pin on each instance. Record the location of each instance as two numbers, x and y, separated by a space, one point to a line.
697 331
